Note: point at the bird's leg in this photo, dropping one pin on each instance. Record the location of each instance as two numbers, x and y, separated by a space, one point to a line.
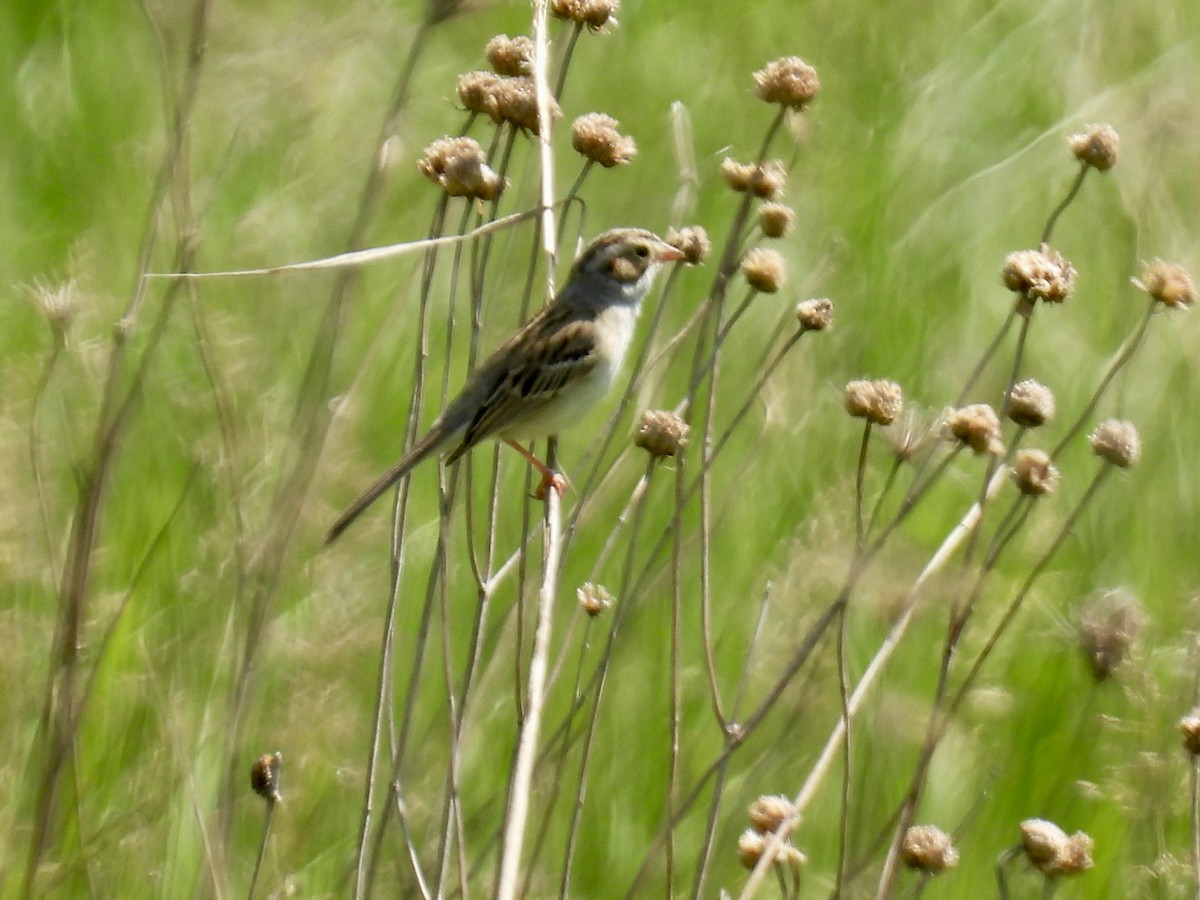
550 478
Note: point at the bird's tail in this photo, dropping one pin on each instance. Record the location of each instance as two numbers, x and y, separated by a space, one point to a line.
419 451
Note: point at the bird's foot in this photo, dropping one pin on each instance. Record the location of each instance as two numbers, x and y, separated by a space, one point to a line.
551 479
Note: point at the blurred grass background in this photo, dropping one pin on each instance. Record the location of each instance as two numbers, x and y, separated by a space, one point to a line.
936 147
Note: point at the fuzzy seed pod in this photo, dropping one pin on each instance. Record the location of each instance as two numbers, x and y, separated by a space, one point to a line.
928 848
879 401
788 81
264 776
1052 852
459 165
764 270
977 426
769 811
1096 147
510 55
1117 442
594 598
692 242
776 219
1030 404
594 136
815 315
1039 275
661 433
595 14
1189 727
1034 473
751 845
516 103
477 91
1168 283
1108 623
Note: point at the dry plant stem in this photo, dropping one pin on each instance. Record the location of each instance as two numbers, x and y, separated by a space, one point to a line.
568 52
383 689
262 847
1026 586
1123 358
521 790
1195 818
714 807
844 696
990 352
1018 355
1066 201
35 442
888 484
675 688
859 477
54 742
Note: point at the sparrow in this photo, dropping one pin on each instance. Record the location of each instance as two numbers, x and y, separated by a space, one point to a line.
552 371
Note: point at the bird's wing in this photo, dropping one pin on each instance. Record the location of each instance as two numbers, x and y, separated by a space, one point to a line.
558 352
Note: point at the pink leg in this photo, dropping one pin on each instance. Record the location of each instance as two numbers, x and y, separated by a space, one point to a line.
550 478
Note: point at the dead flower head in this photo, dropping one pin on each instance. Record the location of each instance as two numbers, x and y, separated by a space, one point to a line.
764 270
692 242
1039 275
769 811
595 137
1168 283
815 314
459 165
976 426
661 433
1108 623
788 81
879 401
1052 852
594 598
1096 147
1117 442
264 776
929 849
595 14
1034 473
766 181
1189 727
510 55
752 844
1030 404
776 219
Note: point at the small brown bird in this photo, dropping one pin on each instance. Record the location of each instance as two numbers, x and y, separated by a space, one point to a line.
552 371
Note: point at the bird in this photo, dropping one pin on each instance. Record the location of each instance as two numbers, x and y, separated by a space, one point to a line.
552 371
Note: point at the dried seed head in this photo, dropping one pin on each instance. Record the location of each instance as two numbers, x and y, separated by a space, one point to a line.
594 136
788 81
909 435
1096 147
751 845
510 55
661 433
516 103
1108 624
763 269
595 14
815 315
928 848
977 426
264 776
1042 841
478 93
776 219
1117 442
1189 727
879 401
1039 275
58 303
1168 283
766 181
1031 403
769 811
692 242
1034 473
458 164
1077 856
594 598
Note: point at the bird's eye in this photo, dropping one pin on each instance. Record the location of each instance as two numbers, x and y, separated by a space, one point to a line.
643 251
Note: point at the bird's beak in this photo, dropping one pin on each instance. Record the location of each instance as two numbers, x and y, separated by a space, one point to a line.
665 253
